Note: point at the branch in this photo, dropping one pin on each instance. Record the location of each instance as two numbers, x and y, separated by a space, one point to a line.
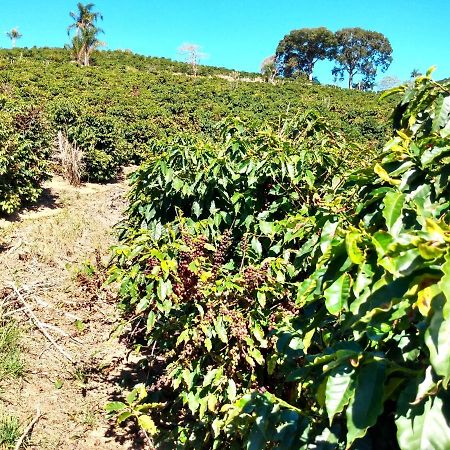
37 323
28 429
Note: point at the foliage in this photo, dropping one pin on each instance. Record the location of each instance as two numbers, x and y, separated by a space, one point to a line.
85 41
368 352
269 69
11 364
204 251
24 151
299 50
14 34
283 303
121 110
134 407
362 52
9 431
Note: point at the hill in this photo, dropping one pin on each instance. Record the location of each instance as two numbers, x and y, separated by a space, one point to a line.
117 108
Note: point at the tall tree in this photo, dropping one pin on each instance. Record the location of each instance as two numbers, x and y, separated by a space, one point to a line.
299 50
86 39
14 35
361 52
415 73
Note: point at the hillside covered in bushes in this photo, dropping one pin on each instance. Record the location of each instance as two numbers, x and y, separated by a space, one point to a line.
120 109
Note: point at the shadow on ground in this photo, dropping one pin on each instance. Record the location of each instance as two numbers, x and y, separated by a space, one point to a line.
47 200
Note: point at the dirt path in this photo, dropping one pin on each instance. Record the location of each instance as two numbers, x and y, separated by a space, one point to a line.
48 253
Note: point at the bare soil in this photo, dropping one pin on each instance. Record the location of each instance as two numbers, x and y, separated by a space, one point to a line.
48 253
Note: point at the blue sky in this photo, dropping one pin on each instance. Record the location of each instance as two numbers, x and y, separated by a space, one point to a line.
240 33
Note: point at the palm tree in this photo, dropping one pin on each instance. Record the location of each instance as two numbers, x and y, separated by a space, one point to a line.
84 18
14 34
415 73
85 41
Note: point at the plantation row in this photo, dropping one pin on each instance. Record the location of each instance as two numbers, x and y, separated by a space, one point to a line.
125 107
283 300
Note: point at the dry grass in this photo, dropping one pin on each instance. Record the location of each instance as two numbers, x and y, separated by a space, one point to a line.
71 159
51 253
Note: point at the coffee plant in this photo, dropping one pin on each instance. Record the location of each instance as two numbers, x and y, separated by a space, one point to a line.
24 154
282 299
208 251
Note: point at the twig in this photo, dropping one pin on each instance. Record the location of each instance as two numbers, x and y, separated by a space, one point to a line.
37 323
28 429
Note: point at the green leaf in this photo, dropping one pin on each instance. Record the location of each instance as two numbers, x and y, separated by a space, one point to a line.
430 71
151 319
163 289
115 406
354 252
123 416
196 209
381 172
437 339
424 427
367 403
337 295
231 390
147 424
220 330
339 389
392 212
428 156
267 227
256 246
444 284
441 113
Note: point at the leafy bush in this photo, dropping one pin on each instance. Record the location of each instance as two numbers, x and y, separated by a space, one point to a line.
282 303
204 251
24 153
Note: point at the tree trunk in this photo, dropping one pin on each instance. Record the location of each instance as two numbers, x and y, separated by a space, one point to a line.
13 43
350 80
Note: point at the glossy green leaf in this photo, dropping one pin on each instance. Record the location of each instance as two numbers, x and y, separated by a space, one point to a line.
441 113
352 240
337 295
437 339
444 284
392 212
339 389
425 427
367 403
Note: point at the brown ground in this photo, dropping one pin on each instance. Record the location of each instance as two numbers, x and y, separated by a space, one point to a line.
43 252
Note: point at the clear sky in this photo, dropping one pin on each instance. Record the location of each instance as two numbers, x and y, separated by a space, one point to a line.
238 34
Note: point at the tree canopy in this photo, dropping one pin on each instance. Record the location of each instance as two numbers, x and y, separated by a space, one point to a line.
14 34
269 68
299 50
86 39
361 52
